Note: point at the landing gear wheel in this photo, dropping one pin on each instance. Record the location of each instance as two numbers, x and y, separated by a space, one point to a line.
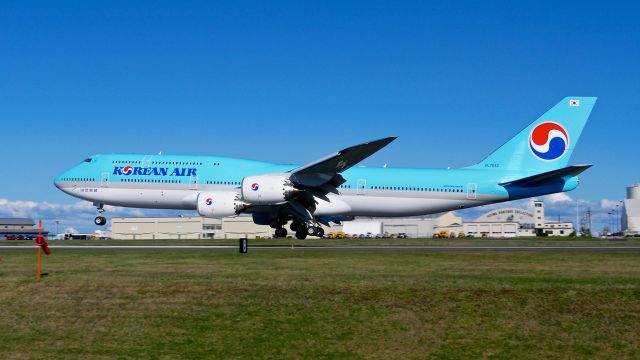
319 232
100 220
301 233
294 226
281 232
311 231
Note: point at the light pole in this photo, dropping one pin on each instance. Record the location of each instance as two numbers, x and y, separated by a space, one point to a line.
577 230
616 218
620 214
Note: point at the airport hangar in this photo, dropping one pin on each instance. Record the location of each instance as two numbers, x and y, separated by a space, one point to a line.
511 222
505 222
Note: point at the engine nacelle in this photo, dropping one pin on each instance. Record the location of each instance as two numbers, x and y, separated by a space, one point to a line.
267 189
219 204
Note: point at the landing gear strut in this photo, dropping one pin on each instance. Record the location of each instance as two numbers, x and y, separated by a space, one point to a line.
100 220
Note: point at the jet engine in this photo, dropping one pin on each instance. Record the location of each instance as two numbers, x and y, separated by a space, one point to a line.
267 189
218 204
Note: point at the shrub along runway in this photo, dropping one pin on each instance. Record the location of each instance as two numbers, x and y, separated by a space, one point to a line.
328 304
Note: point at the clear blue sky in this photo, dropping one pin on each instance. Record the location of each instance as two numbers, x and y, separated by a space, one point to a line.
294 81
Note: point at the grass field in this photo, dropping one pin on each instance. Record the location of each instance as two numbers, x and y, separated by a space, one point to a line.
302 305
532 241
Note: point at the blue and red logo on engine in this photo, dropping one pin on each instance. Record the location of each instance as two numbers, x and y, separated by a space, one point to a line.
127 170
209 201
549 141
255 186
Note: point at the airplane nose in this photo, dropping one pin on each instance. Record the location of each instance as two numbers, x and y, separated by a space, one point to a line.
58 180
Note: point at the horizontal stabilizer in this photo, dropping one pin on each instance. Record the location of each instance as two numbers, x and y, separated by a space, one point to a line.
545 177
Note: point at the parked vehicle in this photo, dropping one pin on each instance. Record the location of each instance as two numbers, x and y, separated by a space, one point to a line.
336 235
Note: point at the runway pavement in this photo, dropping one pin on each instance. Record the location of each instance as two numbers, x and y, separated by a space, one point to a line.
333 248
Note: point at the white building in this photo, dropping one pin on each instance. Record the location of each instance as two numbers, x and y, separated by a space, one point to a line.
414 227
510 222
164 228
196 227
631 211
191 227
507 222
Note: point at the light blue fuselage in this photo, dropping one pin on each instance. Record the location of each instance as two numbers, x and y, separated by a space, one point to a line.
174 182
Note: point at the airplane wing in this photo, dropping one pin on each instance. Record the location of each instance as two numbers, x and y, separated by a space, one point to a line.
329 168
542 178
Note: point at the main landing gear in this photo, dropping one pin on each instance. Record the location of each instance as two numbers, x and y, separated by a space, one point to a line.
281 232
100 220
302 231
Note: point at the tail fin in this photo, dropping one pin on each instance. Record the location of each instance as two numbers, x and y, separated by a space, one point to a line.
547 143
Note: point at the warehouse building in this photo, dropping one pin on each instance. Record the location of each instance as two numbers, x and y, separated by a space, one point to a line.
413 227
18 228
631 211
507 222
196 227
191 227
510 222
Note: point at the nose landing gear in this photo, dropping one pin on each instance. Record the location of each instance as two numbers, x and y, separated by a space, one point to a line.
100 220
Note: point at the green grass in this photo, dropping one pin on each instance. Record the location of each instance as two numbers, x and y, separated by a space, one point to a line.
531 241
296 304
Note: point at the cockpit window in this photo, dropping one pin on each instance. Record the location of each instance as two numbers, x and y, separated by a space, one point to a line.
87 160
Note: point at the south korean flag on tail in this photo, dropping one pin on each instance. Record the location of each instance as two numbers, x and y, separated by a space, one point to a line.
574 102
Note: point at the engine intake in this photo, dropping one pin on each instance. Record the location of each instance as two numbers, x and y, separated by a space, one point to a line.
267 189
219 204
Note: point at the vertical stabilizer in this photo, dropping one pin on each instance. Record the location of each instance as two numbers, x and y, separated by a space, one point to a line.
547 143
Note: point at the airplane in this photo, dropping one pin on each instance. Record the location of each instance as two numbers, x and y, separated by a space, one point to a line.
334 189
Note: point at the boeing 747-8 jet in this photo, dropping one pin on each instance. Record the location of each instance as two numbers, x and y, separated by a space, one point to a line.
533 163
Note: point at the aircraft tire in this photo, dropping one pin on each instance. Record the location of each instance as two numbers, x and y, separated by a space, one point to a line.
311 231
301 233
281 232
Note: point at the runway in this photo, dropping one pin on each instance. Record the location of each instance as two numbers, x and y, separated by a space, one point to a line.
332 248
